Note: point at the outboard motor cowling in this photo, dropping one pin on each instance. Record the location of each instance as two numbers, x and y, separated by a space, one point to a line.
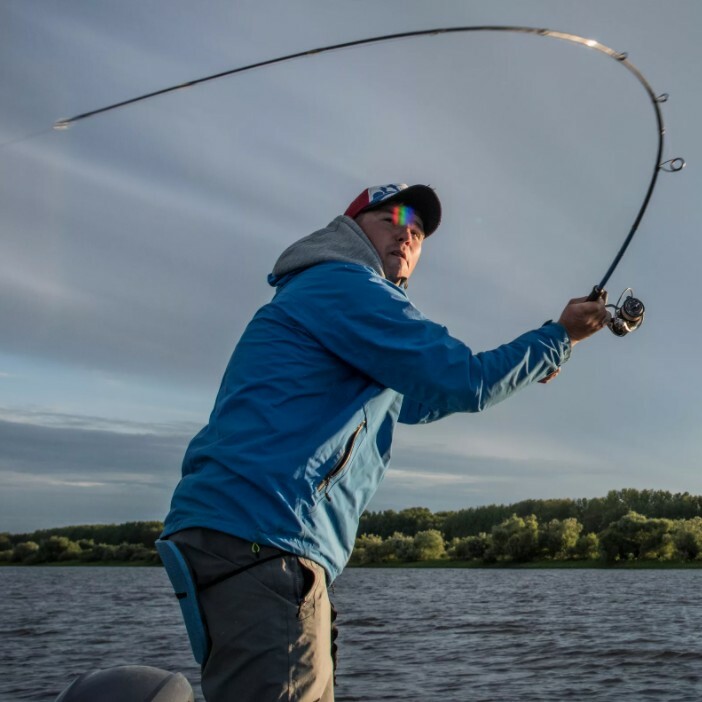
129 683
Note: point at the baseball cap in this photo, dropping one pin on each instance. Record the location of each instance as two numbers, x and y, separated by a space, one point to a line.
422 198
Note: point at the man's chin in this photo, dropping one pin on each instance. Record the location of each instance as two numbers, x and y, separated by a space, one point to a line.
395 272
397 278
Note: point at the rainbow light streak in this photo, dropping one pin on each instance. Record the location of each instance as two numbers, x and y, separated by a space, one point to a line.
402 215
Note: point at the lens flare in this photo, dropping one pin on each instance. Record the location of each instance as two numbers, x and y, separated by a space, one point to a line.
402 215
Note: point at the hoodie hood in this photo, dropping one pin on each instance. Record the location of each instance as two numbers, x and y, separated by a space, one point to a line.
342 240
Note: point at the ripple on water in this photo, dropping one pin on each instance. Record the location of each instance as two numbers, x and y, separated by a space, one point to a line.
453 635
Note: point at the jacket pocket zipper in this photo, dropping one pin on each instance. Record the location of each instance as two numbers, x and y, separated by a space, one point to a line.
341 464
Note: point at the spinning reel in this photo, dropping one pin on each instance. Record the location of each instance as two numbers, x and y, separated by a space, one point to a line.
627 315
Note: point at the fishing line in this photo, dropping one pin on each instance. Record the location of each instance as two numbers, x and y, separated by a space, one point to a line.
27 137
671 165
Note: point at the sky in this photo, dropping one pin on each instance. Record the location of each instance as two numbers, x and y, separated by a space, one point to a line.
134 247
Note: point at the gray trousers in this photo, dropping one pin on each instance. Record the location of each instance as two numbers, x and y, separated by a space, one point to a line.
270 625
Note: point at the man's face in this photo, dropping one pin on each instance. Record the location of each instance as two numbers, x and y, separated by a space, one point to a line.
397 233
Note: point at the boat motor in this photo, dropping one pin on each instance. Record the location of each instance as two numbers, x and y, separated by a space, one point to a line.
129 683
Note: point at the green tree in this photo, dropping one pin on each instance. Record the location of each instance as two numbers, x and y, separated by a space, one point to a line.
687 537
368 549
587 547
635 536
689 506
470 548
558 538
428 545
59 548
602 511
398 547
515 539
547 510
100 553
26 552
408 521
474 520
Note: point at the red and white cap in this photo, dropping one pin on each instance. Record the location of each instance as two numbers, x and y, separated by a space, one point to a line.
421 198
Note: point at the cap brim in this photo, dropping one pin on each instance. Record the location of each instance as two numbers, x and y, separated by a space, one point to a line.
421 198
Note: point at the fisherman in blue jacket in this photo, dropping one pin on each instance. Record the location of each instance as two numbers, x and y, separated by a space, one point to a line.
299 439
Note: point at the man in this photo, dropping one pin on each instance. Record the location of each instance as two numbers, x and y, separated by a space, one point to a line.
299 439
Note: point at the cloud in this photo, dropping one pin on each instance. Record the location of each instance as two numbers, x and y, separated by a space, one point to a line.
58 450
12 479
61 469
62 420
454 475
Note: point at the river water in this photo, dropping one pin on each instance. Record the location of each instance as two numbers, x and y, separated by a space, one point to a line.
449 634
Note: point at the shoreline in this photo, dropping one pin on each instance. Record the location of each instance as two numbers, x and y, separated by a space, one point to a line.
441 563
544 565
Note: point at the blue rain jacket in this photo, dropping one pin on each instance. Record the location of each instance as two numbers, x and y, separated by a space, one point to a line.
301 431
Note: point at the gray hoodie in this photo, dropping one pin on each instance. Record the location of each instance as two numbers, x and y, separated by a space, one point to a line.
342 240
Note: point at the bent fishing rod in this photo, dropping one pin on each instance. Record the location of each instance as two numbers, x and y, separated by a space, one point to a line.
628 312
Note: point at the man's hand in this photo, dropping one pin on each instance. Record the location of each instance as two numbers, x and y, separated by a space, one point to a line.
550 377
582 318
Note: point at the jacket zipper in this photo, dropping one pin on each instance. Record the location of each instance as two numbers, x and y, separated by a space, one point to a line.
324 485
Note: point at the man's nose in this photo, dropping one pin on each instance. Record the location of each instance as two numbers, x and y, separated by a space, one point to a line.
404 233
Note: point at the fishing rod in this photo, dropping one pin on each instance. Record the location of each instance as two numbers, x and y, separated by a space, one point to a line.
627 314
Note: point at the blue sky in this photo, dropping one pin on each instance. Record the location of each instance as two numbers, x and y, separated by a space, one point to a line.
135 245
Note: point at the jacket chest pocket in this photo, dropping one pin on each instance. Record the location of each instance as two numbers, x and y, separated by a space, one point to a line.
340 465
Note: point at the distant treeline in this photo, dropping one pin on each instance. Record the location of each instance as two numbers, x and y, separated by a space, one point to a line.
595 514
626 525
93 543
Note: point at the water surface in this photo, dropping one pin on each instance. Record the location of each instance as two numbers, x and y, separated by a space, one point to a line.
478 635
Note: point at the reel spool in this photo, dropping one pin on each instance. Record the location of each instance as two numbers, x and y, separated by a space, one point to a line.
627 316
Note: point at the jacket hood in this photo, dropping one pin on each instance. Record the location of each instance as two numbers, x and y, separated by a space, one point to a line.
341 240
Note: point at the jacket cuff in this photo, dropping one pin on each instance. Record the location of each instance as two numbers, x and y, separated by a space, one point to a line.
559 334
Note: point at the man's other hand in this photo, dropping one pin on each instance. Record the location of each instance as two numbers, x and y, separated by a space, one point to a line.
550 377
